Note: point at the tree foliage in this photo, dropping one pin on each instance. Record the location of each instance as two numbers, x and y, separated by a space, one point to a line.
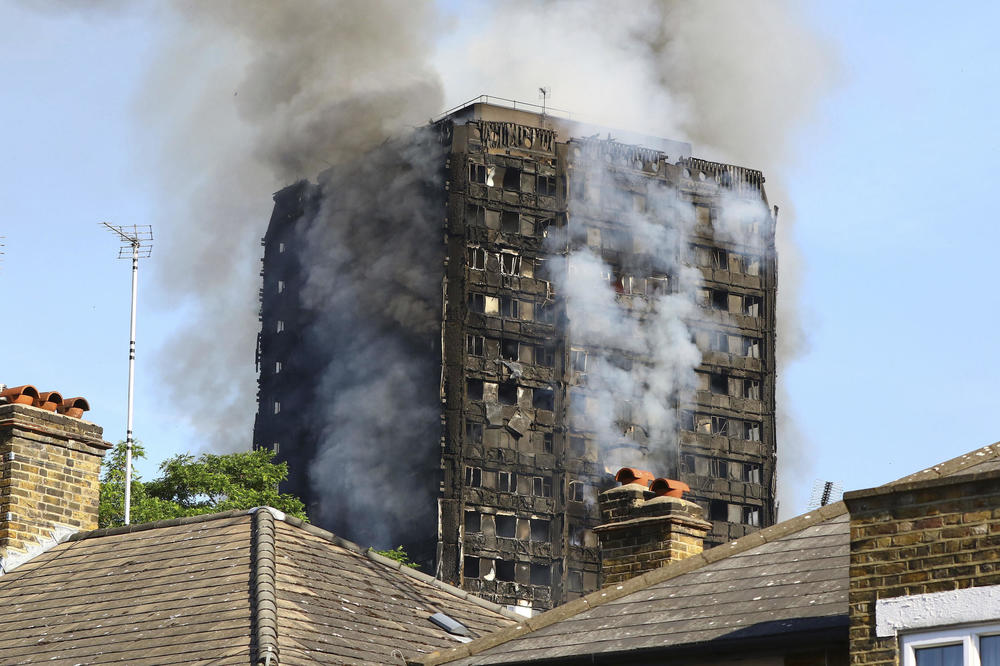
188 486
398 554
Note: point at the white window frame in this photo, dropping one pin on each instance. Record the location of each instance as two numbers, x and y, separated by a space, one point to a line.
967 637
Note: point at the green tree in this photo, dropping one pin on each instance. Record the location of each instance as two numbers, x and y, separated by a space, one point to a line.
188 486
398 554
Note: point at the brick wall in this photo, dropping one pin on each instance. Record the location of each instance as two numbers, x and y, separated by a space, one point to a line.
916 538
49 477
640 532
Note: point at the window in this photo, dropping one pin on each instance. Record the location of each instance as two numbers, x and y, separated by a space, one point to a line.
507 482
578 360
719 300
576 491
687 463
718 384
539 529
507 393
280 327
751 306
541 574
509 307
475 216
474 389
505 571
541 486
543 399
970 646
751 516
508 349
510 263
473 477
470 567
510 223
718 510
720 259
547 186
751 472
474 345
751 347
477 258
703 215
545 314
657 284
473 522
477 302
281 248
512 179
474 433
277 367
751 431
276 446
720 468
281 286
277 407
545 356
751 389
720 426
547 442
477 173
718 341
506 526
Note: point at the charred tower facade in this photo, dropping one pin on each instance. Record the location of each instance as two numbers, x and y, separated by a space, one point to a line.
602 302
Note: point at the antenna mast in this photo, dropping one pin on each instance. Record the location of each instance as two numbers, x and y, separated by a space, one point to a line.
544 93
137 242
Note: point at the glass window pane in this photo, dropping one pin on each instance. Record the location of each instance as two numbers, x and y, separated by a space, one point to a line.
989 650
946 655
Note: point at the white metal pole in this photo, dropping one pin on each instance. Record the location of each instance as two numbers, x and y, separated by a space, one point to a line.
131 382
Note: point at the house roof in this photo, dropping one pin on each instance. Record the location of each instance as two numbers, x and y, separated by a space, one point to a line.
226 589
791 577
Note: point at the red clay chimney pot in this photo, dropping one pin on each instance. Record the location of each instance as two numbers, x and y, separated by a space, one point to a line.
20 395
628 475
669 488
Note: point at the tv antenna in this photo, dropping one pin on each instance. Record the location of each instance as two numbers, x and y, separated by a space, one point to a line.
137 243
825 492
544 93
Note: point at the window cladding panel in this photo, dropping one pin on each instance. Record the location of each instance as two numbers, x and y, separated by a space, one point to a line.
506 526
491 305
473 522
703 424
736 303
526 353
527 183
703 215
523 529
734 513
510 222
474 389
491 219
490 391
507 393
752 265
489 479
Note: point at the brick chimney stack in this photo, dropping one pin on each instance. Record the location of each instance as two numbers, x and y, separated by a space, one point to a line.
646 524
50 463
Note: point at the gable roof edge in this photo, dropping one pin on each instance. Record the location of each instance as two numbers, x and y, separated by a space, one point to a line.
264 597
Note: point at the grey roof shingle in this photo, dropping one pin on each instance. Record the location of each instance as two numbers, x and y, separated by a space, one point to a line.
203 590
790 577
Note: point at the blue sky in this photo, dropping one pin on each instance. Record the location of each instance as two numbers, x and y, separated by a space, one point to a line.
893 187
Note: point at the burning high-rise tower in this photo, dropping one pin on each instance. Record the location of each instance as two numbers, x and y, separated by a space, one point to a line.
464 332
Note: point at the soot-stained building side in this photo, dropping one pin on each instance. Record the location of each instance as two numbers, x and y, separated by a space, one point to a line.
468 331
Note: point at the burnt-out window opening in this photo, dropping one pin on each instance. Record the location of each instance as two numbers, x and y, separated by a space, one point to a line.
277 407
473 432
720 259
475 216
507 482
576 491
578 360
510 263
477 258
539 529
720 468
512 179
718 383
718 510
542 226
477 173
687 420
547 186
751 516
720 426
280 327
510 223
543 399
751 265
719 299
477 302
508 349
473 477
751 431
545 313
509 307
541 486
507 393
277 367
541 574
281 286
281 248
751 389
506 526
470 566
687 463
545 355
703 424
474 345
473 522
577 445
751 306
751 472
751 347
505 571
657 285
547 442
474 389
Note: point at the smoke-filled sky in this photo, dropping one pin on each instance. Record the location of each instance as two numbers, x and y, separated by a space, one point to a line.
871 121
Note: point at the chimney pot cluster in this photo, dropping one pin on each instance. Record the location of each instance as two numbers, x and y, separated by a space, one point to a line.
50 401
661 487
